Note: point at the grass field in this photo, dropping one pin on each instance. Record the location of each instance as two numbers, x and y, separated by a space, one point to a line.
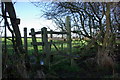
30 47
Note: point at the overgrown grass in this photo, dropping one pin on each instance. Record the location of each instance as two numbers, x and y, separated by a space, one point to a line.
64 65
63 68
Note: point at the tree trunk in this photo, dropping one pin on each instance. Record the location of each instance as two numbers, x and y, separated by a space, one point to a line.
103 49
107 33
20 52
11 11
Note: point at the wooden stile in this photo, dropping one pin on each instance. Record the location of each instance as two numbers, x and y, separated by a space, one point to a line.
46 46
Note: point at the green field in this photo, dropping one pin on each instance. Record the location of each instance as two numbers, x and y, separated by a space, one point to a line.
31 50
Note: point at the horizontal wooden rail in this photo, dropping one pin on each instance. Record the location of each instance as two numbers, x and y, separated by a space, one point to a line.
52 32
37 43
48 32
39 32
58 42
59 39
41 43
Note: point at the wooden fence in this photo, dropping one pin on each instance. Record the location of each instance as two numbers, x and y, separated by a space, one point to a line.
46 44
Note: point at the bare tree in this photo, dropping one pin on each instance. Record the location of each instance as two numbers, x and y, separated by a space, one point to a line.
7 7
90 18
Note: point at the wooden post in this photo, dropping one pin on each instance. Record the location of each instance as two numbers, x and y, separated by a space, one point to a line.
51 36
1 57
25 40
46 45
51 39
27 59
33 41
69 40
35 46
68 27
62 43
5 39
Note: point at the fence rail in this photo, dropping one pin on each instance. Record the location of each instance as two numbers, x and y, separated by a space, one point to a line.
47 42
